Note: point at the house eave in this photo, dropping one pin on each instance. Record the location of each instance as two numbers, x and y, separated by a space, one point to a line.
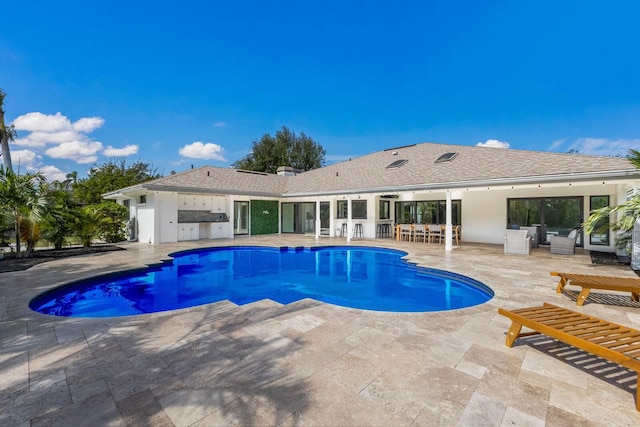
219 191
607 176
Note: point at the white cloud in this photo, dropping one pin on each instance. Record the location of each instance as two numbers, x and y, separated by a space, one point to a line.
198 150
88 124
41 139
52 173
24 158
219 124
38 122
555 145
127 150
68 140
600 146
79 151
494 143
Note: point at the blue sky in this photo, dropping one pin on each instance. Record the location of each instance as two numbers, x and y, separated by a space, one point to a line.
188 83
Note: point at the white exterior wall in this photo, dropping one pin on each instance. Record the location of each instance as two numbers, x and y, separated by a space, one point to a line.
484 211
146 221
166 229
484 216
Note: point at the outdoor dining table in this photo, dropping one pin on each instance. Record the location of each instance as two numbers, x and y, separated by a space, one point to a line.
431 231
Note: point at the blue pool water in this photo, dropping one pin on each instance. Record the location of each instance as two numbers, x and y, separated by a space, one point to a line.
358 277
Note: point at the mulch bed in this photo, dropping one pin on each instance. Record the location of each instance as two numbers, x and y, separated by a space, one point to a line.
11 263
608 258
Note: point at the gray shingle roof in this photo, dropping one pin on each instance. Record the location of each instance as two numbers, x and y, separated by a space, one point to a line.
472 164
223 180
370 173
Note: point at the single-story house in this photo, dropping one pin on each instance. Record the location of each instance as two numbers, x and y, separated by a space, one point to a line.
485 190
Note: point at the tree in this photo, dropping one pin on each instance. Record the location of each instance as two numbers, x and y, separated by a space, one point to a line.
7 133
626 213
285 149
111 176
59 219
86 225
20 201
111 219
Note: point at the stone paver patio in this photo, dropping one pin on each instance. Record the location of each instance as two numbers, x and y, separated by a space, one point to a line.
310 363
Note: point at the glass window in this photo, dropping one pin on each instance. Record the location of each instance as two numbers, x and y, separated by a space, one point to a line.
359 209
427 212
600 235
143 199
553 215
342 208
384 209
405 212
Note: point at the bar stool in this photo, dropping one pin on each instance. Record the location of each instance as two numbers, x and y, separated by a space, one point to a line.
343 229
357 230
386 230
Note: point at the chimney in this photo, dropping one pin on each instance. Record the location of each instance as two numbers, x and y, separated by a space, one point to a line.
288 171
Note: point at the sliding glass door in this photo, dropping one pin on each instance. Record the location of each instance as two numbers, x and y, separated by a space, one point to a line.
299 218
325 218
241 218
552 215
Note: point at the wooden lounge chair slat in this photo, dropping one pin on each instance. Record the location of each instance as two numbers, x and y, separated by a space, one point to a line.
597 328
587 333
629 333
621 344
612 343
591 281
606 336
623 347
578 322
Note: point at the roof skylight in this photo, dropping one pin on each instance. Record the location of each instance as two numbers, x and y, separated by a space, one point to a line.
446 157
397 164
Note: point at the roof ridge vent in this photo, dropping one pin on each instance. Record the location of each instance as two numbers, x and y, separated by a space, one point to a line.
251 172
446 157
397 148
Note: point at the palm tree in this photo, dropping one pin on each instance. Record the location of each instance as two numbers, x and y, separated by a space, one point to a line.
60 215
7 133
71 179
20 200
627 214
86 225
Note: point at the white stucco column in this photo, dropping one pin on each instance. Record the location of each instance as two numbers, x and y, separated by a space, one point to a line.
317 217
349 221
232 222
448 235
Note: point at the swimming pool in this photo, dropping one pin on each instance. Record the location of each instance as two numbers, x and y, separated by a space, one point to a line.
358 277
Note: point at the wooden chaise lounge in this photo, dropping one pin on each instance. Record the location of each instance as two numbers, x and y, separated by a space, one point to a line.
617 343
590 281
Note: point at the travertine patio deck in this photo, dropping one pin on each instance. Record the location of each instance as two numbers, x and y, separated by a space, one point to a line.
310 363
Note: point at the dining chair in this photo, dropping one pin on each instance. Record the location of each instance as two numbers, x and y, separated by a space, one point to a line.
405 232
456 233
435 232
